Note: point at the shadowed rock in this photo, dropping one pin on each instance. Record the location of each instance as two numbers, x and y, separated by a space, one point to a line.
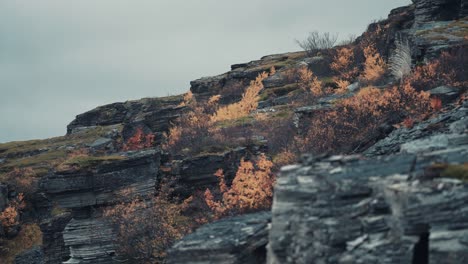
237 240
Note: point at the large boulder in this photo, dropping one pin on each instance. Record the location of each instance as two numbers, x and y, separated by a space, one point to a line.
452 125
53 245
394 209
237 240
155 114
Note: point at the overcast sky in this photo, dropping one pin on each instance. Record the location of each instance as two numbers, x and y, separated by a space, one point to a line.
59 58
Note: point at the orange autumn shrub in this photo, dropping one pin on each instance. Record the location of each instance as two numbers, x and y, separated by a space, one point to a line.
246 105
285 157
148 226
448 69
436 103
251 189
344 66
10 216
30 235
194 130
355 121
139 140
374 65
309 83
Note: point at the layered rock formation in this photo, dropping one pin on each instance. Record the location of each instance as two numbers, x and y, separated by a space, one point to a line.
439 10
396 209
82 235
152 114
237 240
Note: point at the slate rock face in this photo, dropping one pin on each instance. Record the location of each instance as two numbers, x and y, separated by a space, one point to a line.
90 241
101 185
153 113
439 10
237 240
83 236
32 256
444 130
198 172
392 209
53 245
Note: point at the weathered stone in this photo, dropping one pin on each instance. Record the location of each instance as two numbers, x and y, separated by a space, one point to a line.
438 10
154 113
34 255
55 251
384 210
90 241
319 65
445 93
102 185
100 143
198 172
276 80
440 127
237 240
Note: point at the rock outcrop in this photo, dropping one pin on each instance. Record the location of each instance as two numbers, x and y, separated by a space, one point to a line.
53 245
152 114
442 131
102 184
82 235
439 10
90 241
198 172
396 209
237 240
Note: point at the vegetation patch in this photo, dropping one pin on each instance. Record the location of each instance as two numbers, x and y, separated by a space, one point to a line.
456 171
84 162
29 236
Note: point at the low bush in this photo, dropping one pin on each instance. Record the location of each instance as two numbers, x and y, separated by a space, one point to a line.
251 189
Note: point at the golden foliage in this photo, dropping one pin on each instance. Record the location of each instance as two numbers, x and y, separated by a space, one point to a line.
436 103
355 120
248 103
188 99
342 85
345 66
447 69
374 65
193 128
272 70
251 189
10 216
308 82
285 157
146 228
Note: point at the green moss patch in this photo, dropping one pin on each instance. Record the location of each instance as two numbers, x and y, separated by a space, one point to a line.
456 171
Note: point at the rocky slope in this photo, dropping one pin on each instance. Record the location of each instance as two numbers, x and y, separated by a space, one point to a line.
400 201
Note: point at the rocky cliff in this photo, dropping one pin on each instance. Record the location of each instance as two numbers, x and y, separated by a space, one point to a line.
396 197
